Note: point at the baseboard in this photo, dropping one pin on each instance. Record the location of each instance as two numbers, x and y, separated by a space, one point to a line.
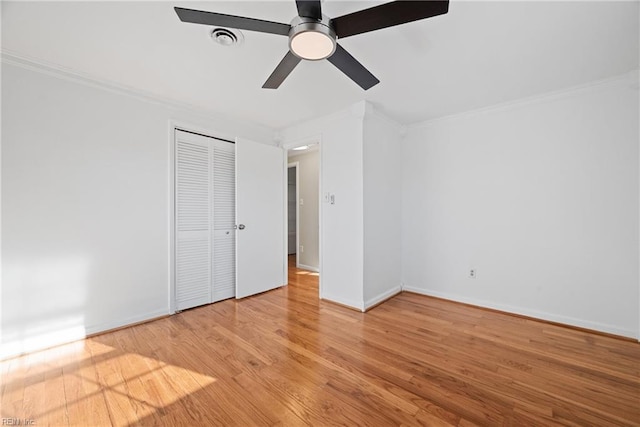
363 306
355 305
540 315
308 267
37 343
380 298
130 321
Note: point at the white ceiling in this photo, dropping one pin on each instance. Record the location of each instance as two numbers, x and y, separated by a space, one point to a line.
479 54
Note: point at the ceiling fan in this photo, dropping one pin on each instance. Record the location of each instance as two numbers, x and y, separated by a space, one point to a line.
313 36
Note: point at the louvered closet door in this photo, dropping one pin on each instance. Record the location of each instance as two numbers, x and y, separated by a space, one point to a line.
205 219
193 221
224 217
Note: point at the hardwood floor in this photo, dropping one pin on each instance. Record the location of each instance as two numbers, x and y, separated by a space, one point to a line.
285 358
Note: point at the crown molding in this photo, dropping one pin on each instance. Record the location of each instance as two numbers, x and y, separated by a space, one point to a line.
313 126
630 79
372 112
54 70
359 109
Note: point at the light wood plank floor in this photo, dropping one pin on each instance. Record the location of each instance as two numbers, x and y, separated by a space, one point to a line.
285 358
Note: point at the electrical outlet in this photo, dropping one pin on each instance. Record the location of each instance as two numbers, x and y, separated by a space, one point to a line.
472 273
301 249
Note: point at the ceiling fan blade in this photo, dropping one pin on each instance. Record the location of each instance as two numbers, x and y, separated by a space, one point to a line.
231 21
309 9
352 68
387 15
284 68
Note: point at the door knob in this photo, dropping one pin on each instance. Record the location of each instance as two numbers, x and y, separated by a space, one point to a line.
241 226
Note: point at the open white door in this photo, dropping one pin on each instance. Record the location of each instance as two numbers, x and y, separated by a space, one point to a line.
259 216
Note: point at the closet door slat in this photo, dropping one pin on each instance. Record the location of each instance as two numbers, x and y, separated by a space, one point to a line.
224 217
193 223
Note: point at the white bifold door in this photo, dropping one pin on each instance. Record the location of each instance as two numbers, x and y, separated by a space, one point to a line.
210 252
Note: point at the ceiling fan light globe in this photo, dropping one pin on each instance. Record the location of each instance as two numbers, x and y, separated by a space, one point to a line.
312 39
312 45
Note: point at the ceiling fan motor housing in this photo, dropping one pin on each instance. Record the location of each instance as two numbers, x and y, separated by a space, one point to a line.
311 39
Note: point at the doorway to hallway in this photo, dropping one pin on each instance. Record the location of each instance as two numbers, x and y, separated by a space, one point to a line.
303 207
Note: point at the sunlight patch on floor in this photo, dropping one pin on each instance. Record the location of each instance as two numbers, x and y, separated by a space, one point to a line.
97 381
306 273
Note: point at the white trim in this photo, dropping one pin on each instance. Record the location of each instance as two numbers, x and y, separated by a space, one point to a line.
285 198
358 305
37 343
37 65
33 64
289 166
360 225
373 113
359 109
190 127
298 251
320 216
125 322
570 321
382 297
316 123
630 78
172 217
235 172
285 217
308 267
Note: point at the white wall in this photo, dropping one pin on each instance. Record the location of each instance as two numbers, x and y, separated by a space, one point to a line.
340 137
85 207
361 232
382 207
540 197
309 220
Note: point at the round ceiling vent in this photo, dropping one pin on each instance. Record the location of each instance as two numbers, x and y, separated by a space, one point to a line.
227 37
